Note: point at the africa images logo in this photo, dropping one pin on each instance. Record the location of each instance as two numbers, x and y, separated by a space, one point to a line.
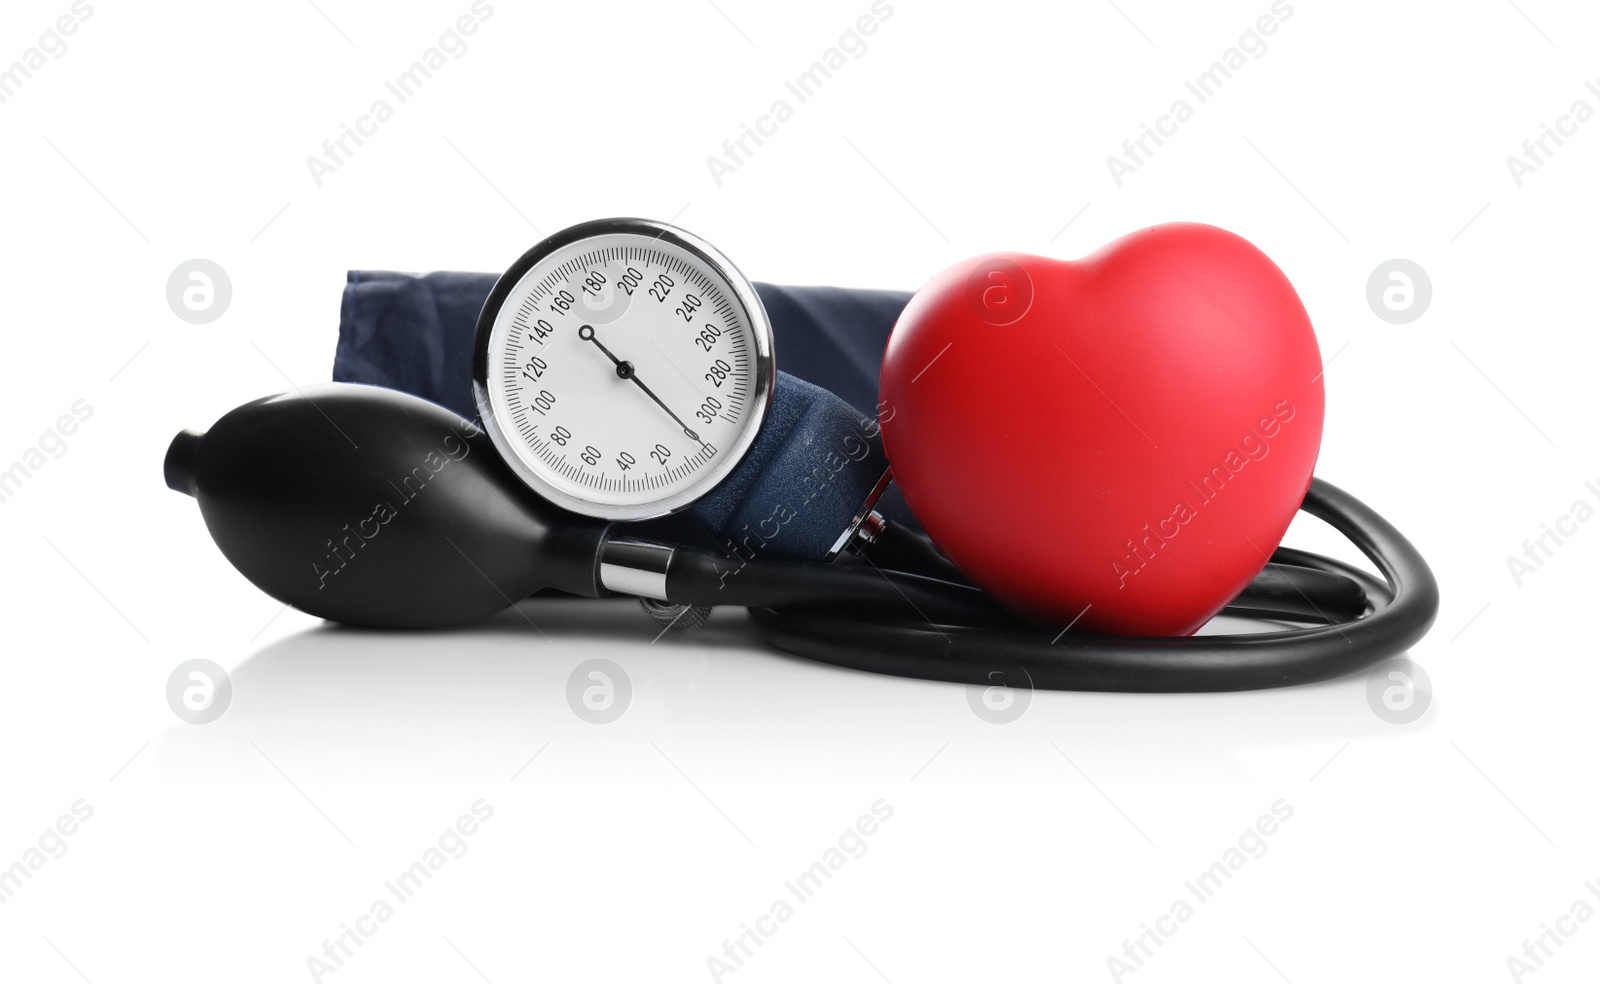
340 554
1144 546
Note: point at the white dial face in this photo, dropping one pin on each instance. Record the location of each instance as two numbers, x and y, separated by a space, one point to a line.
626 372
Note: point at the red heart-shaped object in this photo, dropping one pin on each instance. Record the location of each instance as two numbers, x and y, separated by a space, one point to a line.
1119 441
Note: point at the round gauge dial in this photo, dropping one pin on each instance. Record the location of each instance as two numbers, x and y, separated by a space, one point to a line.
623 368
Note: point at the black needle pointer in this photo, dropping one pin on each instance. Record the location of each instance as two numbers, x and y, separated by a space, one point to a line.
625 370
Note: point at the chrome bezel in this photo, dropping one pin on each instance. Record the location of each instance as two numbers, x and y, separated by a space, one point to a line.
745 295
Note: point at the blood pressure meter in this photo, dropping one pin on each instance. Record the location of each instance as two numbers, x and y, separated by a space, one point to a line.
623 368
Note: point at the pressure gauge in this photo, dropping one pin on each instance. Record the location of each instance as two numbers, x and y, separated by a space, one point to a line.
623 368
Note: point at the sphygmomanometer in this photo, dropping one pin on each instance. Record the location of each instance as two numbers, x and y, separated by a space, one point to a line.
1089 461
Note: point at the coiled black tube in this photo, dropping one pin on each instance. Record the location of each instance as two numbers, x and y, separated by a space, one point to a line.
1392 615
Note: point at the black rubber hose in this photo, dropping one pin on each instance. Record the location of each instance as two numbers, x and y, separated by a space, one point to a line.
1401 613
1300 592
899 548
701 577
1287 588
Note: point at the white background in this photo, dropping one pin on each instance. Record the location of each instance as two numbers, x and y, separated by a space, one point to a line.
632 850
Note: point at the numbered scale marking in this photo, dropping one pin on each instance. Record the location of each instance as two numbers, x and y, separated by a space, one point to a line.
623 368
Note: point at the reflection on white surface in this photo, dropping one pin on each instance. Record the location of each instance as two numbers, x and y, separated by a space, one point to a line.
475 703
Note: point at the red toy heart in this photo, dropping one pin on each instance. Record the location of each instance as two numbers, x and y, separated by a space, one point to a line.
1119 441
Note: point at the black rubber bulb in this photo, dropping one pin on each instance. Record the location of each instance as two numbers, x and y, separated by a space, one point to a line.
374 507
